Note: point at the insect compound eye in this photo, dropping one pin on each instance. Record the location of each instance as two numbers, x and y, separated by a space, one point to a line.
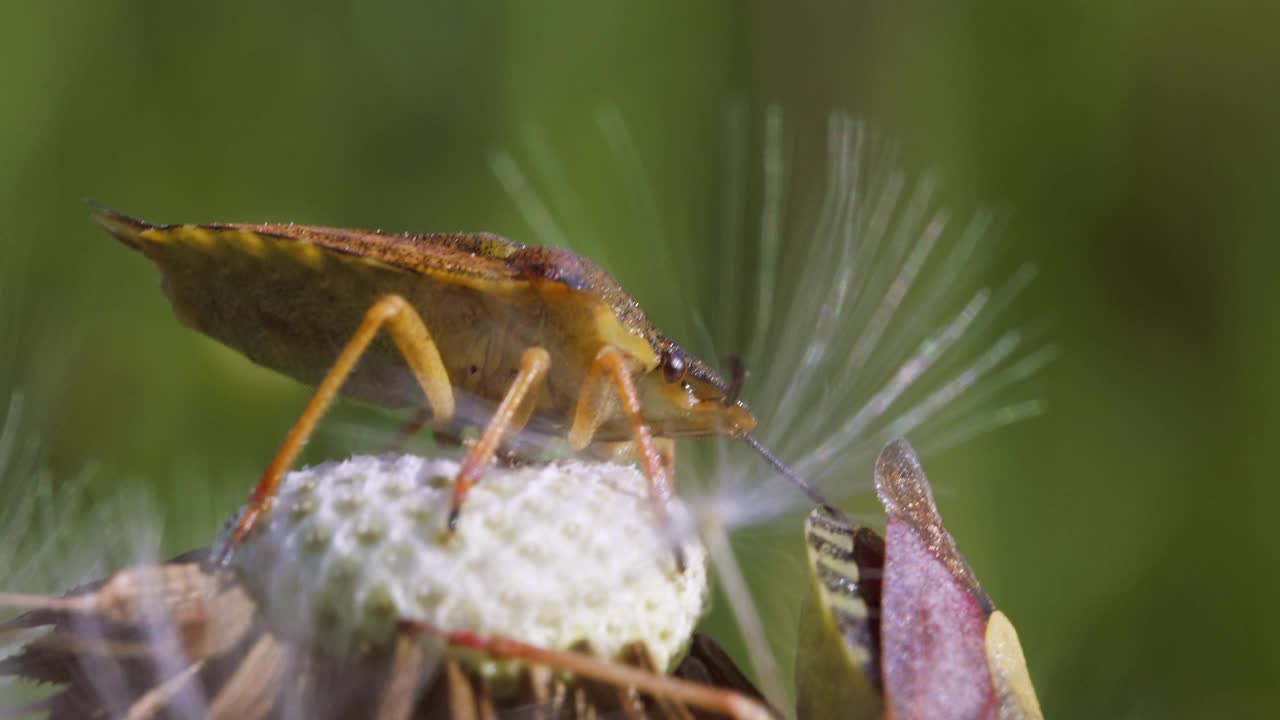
672 366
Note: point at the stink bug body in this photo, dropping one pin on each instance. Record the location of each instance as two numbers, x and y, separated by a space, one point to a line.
522 335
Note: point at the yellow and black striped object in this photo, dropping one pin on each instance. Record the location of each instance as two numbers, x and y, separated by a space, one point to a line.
899 627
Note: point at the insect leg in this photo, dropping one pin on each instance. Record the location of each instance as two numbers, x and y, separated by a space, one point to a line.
414 341
408 430
512 413
590 412
667 451
716 700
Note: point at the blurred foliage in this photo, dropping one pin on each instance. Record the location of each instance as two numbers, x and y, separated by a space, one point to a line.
1126 532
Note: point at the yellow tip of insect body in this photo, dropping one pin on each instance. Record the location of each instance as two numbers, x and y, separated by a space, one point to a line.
305 253
138 234
126 229
191 235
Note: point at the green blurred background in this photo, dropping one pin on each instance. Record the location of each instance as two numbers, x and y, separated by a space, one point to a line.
1134 146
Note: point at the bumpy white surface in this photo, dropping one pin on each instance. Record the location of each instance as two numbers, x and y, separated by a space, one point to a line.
550 555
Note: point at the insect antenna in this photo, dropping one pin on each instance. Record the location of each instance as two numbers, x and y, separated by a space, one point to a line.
737 378
807 487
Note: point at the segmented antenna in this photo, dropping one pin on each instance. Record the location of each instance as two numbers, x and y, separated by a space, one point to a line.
807 487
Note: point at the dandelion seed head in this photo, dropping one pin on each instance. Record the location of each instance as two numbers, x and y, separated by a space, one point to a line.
551 555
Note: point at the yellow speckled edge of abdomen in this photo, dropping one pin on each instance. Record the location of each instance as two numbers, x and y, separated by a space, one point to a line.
229 242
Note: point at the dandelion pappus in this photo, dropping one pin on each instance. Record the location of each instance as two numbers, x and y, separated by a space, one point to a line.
524 335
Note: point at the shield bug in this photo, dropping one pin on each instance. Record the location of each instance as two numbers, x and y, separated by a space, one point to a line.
520 337
899 626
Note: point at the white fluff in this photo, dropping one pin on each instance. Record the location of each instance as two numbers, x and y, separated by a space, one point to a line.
550 555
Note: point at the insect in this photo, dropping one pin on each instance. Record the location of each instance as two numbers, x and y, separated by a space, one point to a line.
531 338
899 626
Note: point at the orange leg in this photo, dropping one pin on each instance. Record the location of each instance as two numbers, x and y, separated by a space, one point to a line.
419 350
590 413
512 413
716 700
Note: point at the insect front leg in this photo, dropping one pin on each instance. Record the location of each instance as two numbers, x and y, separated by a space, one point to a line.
512 414
590 413
411 336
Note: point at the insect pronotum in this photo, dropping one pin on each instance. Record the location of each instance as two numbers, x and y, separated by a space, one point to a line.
524 336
